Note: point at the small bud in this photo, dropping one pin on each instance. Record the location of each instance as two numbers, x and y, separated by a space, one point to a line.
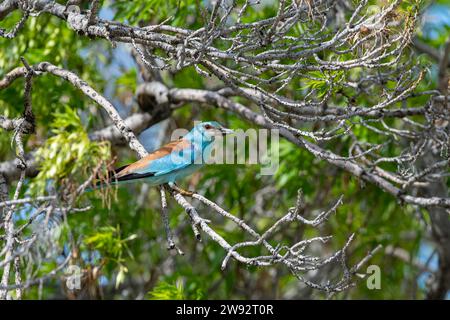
364 30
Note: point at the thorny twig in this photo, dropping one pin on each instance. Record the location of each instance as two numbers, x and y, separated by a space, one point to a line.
261 62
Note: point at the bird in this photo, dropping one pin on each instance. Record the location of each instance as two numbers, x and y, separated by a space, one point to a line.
173 161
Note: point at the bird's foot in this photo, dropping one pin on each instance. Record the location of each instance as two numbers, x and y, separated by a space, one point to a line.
181 191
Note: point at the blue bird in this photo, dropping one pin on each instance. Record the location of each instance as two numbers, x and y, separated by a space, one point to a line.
174 160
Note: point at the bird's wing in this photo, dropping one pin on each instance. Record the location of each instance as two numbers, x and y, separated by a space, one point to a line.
172 156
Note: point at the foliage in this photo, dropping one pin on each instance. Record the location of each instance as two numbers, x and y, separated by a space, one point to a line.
154 10
68 152
110 245
128 237
177 291
166 291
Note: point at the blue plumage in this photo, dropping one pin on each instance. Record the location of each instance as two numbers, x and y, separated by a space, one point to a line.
175 160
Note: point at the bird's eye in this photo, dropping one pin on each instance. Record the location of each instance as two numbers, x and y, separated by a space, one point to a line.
207 127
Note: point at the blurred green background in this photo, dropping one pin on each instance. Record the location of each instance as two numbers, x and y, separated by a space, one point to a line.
122 246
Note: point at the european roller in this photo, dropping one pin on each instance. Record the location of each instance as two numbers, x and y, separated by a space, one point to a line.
174 160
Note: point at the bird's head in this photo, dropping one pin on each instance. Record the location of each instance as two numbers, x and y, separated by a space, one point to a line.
210 129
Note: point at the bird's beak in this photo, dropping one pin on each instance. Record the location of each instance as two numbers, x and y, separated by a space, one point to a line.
226 131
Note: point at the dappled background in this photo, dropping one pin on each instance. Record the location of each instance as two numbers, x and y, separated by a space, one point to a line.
117 237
